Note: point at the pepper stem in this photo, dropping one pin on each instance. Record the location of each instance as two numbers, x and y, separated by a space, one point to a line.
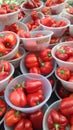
17 113
0 109
38 103
57 126
62 72
2 68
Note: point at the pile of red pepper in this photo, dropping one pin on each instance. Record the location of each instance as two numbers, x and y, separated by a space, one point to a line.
23 121
28 93
3 108
41 63
7 43
61 118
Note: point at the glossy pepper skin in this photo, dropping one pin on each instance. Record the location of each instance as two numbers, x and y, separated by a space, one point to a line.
66 106
12 117
56 121
4 69
35 98
3 107
46 67
46 55
18 96
36 119
31 60
35 70
10 40
23 124
63 72
32 86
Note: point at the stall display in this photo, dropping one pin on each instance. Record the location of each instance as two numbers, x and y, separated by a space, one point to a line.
36 65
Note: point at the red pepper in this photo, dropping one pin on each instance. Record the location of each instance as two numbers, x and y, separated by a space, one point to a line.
71 127
32 86
10 40
35 98
36 119
63 72
35 70
4 69
46 55
3 107
12 117
71 119
2 49
31 60
18 97
56 121
46 68
66 106
23 124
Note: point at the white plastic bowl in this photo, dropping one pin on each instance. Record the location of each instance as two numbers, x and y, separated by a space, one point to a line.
22 26
69 65
12 53
54 105
9 18
47 90
28 11
56 9
71 30
16 62
66 84
2 120
29 19
67 15
37 43
25 70
4 82
58 31
44 108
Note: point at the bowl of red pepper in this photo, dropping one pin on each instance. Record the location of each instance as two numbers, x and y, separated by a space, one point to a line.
55 113
56 24
8 13
39 63
55 6
24 118
27 8
63 54
32 90
9 45
6 72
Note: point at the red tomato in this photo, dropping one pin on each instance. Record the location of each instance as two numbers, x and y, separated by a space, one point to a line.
71 79
70 59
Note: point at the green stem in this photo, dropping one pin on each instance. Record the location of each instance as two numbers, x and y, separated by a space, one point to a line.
57 126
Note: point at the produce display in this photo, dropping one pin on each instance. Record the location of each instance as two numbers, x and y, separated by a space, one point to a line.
36 65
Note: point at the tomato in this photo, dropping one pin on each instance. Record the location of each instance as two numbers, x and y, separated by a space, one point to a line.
10 40
61 23
34 15
51 81
54 40
49 2
63 72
